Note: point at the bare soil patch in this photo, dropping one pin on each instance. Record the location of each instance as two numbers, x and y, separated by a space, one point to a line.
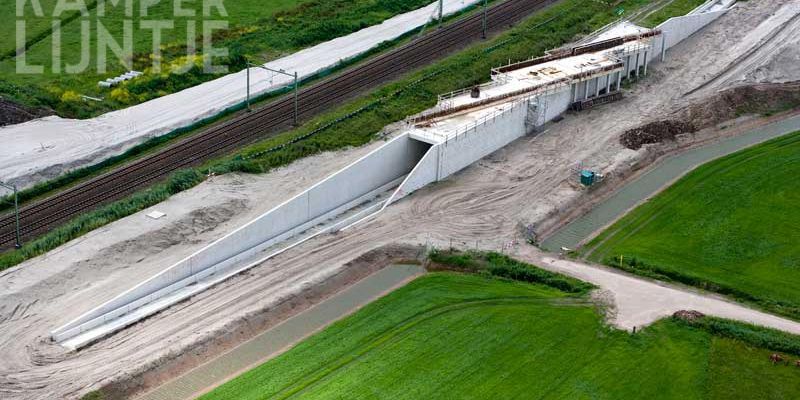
765 99
12 113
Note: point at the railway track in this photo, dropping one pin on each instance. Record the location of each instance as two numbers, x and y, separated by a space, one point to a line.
225 137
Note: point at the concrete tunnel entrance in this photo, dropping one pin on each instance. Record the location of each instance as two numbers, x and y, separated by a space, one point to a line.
364 181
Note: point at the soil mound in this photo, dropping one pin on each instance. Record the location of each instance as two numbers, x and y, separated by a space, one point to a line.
12 113
654 132
688 315
766 98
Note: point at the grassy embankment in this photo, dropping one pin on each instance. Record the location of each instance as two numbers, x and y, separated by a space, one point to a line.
448 335
674 8
357 122
729 226
260 29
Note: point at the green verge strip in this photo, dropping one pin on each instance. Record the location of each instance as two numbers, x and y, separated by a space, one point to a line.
502 266
177 182
550 28
757 336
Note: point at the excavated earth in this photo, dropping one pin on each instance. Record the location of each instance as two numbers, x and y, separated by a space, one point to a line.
488 205
763 98
12 113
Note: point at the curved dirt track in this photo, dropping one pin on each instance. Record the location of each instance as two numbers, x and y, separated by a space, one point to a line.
484 206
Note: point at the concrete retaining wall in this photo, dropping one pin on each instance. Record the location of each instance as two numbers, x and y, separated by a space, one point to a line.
554 104
338 193
426 172
712 5
447 158
466 148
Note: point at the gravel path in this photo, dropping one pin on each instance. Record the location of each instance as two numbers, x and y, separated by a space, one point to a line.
638 302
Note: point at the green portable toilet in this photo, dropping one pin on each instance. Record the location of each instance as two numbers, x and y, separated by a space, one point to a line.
587 177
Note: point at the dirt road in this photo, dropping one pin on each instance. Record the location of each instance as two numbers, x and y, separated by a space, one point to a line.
636 302
485 205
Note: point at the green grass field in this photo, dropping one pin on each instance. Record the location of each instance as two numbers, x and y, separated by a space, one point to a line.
459 336
730 226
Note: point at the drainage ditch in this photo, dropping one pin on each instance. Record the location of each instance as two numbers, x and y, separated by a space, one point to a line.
579 230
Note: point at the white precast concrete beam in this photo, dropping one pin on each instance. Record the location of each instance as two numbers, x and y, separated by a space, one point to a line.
586 90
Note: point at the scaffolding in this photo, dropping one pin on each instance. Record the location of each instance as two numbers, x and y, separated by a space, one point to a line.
538 105
592 73
559 53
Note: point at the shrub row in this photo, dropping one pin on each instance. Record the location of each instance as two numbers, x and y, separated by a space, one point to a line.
178 182
756 336
639 267
502 266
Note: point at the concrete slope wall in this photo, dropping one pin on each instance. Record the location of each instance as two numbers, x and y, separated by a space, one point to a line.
676 29
337 193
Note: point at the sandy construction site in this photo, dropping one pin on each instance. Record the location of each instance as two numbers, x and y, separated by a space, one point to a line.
528 183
